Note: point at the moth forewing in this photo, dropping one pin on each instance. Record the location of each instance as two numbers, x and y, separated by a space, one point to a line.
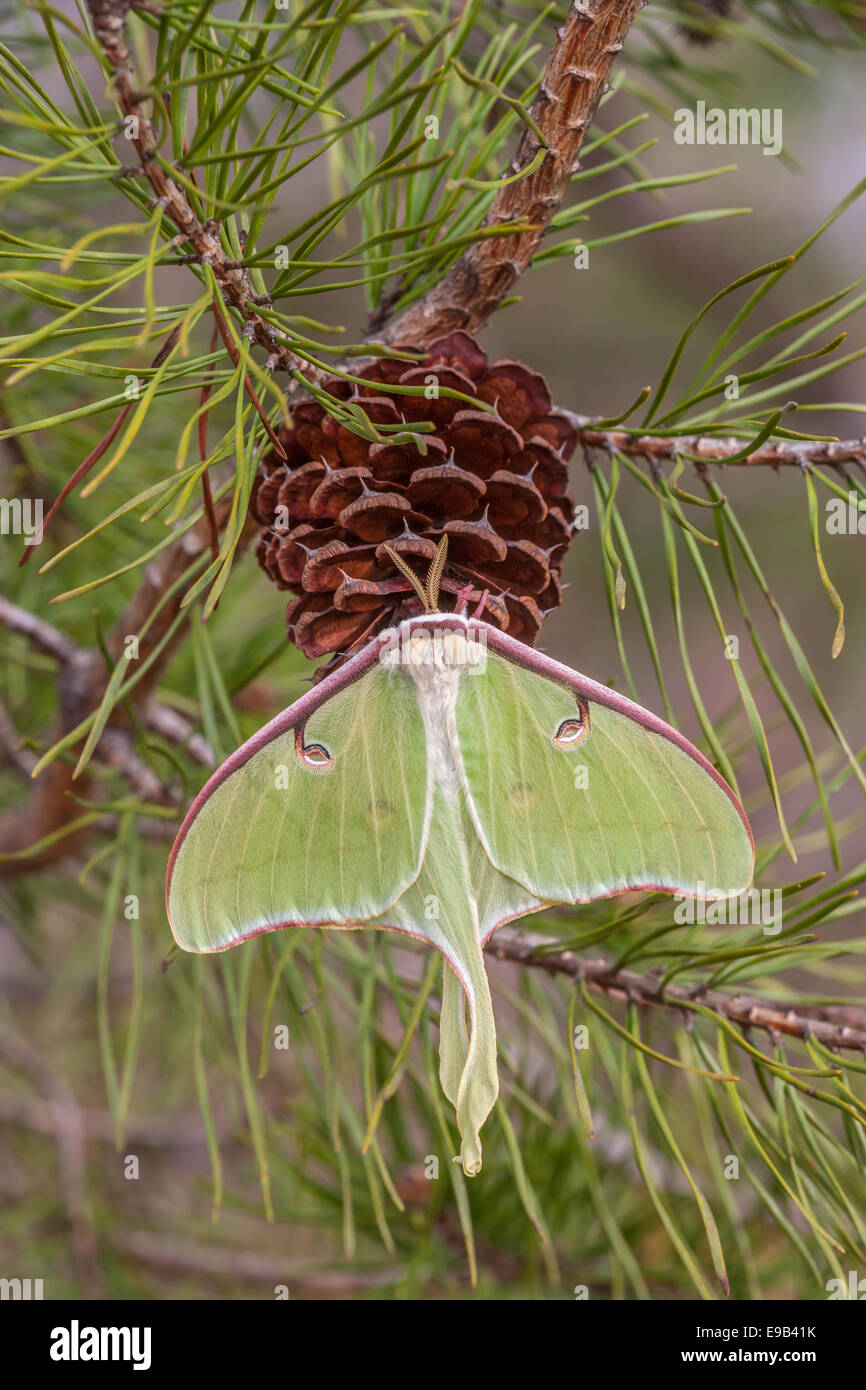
315 820
578 793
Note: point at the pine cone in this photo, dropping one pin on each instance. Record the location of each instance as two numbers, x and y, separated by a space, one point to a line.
496 484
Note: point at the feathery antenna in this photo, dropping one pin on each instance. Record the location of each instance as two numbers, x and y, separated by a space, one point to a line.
435 572
429 591
410 574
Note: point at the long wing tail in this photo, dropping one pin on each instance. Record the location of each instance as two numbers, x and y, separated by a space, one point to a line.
441 906
467 1056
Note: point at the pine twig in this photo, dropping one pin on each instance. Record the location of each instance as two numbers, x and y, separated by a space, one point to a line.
31 1112
14 753
836 1027
574 81
81 682
716 449
167 1252
174 726
203 237
41 635
99 449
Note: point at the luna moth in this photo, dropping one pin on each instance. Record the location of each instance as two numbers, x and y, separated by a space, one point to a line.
443 781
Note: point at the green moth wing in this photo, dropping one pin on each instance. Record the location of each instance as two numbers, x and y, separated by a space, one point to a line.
577 793
320 819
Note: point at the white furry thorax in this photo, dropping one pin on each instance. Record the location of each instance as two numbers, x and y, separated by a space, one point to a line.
430 648
437 658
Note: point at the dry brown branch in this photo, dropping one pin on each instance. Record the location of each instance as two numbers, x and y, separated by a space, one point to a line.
82 678
163 1250
49 807
172 725
24 1111
202 237
717 449
574 82
116 748
39 634
14 753
836 1028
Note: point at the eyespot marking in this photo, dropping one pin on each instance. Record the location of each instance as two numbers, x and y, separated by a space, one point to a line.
315 757
573 730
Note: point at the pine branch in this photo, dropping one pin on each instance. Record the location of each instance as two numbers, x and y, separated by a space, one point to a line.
836 1027
203 237
172 725
18 757
167 1253
81 683
41 635
31 1112
575 79
719 450
49 809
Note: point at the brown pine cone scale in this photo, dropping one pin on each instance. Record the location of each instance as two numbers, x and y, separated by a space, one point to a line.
495 483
